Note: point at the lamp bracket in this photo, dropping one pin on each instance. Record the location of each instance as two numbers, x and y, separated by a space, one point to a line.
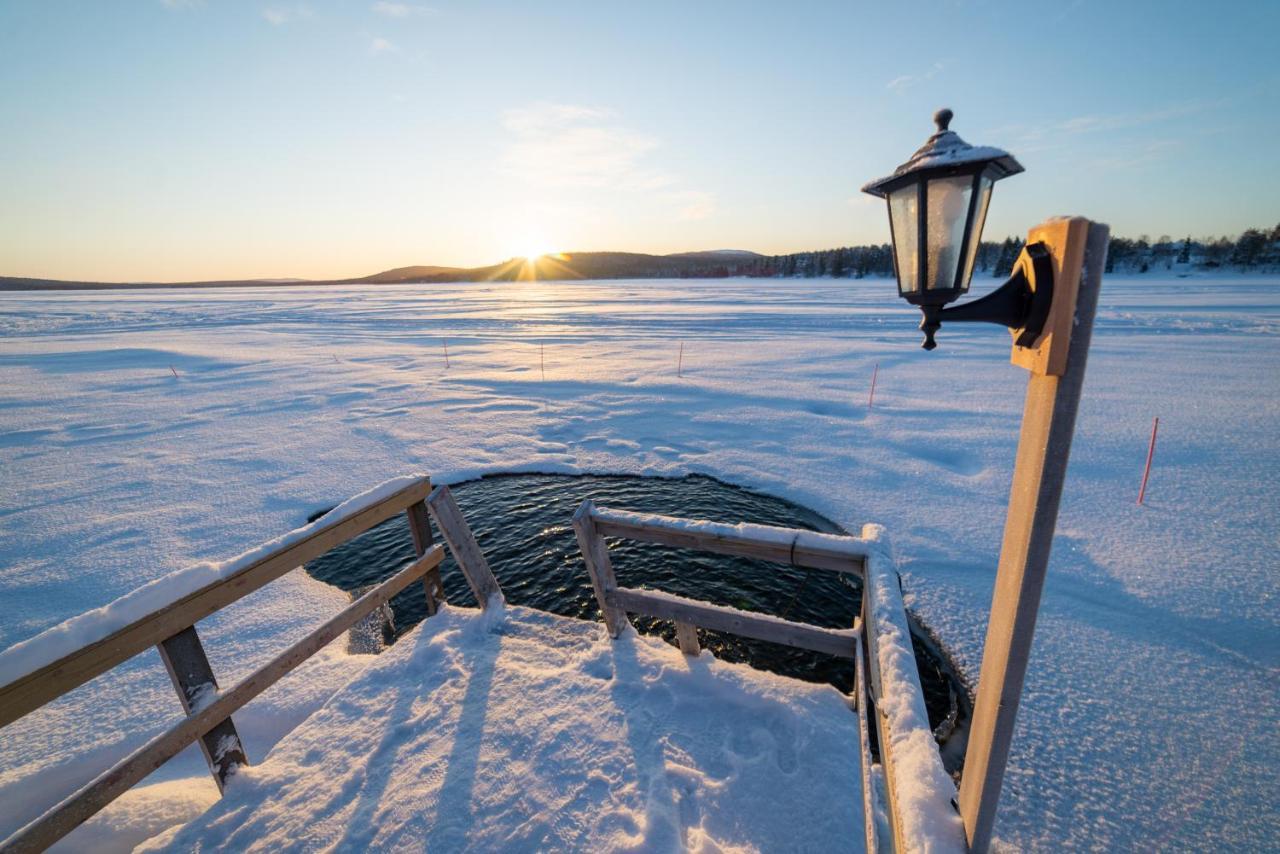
1021 303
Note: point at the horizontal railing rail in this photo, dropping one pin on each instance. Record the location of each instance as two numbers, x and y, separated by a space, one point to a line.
791 546
879 641
115 781
33 690
718 618
172 630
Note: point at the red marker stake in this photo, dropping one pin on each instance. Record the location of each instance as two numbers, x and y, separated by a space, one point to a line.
1151 452
871 397
446 352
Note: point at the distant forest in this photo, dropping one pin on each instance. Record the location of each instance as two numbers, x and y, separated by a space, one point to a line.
1254 250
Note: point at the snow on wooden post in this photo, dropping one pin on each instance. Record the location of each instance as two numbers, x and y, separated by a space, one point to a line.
596 555
1151 452
680 361
872 397
1057 366
188 666
446 352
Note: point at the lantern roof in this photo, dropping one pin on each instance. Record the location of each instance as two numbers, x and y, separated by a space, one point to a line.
944 150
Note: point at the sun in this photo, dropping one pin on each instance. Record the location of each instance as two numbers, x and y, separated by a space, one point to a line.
531 246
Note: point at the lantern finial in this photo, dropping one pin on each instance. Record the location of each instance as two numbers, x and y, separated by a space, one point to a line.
942 119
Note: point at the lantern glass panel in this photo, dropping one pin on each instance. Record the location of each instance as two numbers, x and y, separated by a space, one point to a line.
905 219
975 233
947 208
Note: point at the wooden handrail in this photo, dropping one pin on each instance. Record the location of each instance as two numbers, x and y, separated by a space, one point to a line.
92 797
30 692
668 606
764 542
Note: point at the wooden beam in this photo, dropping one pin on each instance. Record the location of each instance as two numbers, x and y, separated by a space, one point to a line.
600 569
732 540
463 546
667 606
47 683
420 529
77 808
869 796
1048 423
188 666
687 637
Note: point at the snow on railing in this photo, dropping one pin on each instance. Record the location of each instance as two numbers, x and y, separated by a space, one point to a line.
164 613
920 794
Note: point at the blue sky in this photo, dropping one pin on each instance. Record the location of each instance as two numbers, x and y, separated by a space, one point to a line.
195 140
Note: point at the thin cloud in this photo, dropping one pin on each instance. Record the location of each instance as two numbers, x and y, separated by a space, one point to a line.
278 16
904 82
181 4
566 146
377 45
401 10
561 145
694 205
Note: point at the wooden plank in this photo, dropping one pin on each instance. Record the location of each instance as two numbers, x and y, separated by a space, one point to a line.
884 734
727 539
1044 446
92 797
864 746
667 606
462 544
420 529
596 555
188 667
32 691
687 637
1066 237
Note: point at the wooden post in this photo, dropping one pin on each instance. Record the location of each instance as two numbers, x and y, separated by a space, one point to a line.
1151 452
1057 366
188 666
687 637
462 544
596 554
420 528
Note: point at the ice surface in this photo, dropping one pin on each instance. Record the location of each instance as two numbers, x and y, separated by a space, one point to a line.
1148 719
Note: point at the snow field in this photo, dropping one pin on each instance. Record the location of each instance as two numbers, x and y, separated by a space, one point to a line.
1148 717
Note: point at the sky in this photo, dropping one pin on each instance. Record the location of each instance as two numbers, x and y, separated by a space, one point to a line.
179 140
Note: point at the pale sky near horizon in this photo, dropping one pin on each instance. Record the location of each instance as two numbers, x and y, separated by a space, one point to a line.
187 140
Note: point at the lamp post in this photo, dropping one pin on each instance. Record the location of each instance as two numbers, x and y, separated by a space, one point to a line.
937 207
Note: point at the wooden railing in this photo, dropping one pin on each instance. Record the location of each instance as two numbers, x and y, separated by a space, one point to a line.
172 630
880 635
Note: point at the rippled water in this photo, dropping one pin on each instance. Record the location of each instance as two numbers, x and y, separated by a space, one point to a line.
523 525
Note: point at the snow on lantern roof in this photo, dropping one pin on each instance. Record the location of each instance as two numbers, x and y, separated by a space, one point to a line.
946 149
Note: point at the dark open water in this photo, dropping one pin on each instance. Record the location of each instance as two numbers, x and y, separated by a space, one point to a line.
522 523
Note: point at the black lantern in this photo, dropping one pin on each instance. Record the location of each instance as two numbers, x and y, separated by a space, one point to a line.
937 206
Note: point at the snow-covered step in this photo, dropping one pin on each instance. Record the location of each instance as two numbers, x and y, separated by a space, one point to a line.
516 729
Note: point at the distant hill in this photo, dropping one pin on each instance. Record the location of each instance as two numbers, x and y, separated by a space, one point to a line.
1254 250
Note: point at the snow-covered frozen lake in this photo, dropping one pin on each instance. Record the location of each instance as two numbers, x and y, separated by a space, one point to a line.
1149 719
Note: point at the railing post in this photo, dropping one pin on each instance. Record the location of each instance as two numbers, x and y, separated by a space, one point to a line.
188 666
687 637
596 554
1057 368
462 544
420 528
